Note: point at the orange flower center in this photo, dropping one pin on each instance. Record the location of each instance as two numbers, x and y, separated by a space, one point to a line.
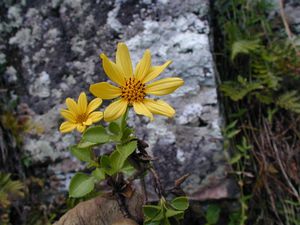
80 118
133 90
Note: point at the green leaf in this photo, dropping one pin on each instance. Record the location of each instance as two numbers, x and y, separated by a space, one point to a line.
80 185
86 144
290 101
126 134
172 212
179 216
128 169
244 46
151 211
212 214
232 133
180 203
116 161
238 90
83 154
119 156
150 222
127 149
122 121
114 128
97 135
159 216
165 221
106 165
99 174
235 158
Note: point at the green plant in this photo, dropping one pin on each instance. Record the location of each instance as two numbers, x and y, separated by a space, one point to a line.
9 191
128 159
259 70
166 213
212 214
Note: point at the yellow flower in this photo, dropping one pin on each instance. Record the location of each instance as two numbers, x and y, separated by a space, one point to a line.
80 114
131 89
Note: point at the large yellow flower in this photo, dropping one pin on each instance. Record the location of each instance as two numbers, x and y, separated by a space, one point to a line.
131 89
80 114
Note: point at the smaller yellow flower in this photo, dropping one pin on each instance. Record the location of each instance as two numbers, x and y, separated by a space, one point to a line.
80 114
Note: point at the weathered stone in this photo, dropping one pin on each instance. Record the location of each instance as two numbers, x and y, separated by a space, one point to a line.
56 54
104 211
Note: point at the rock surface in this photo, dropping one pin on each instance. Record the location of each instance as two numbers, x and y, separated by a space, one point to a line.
103 211
51 52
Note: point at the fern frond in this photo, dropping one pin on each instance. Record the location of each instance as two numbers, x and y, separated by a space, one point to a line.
289 101
238 90
244 47
9 189
262 72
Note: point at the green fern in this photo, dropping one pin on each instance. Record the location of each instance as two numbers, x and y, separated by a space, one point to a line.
244 47
238 90
289 101
9 190
263 73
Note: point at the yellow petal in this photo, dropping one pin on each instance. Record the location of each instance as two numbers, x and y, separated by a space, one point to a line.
164 86
154 71
144 66
80 128
68 115
141 109
67 127
82 103
137 67
88 122
114 72
115 110
123 59
159 107
105 90
96 116
94 104
72 105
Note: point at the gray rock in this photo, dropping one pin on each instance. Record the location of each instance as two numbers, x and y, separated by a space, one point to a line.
40 87
11 75
58 45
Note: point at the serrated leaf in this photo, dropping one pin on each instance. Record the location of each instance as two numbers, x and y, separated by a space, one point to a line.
180 203
97 135
99 174
83 154
80 185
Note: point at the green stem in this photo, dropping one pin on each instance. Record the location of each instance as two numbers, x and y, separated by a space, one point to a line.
124 120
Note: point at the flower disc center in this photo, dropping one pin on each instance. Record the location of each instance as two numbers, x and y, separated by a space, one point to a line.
81 118
133 90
